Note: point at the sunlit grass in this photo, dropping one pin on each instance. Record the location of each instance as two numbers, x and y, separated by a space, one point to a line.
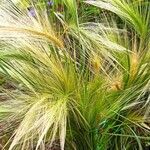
81 85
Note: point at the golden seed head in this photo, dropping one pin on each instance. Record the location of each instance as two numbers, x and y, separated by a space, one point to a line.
134 58
96 63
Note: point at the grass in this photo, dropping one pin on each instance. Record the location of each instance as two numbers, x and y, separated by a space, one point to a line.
80 80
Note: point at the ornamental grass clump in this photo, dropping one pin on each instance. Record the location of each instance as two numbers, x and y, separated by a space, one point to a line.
75 75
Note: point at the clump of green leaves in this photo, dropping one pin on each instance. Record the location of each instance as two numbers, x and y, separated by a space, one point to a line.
79 83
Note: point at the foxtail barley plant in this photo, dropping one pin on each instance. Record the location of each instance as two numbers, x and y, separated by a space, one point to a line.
74 74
